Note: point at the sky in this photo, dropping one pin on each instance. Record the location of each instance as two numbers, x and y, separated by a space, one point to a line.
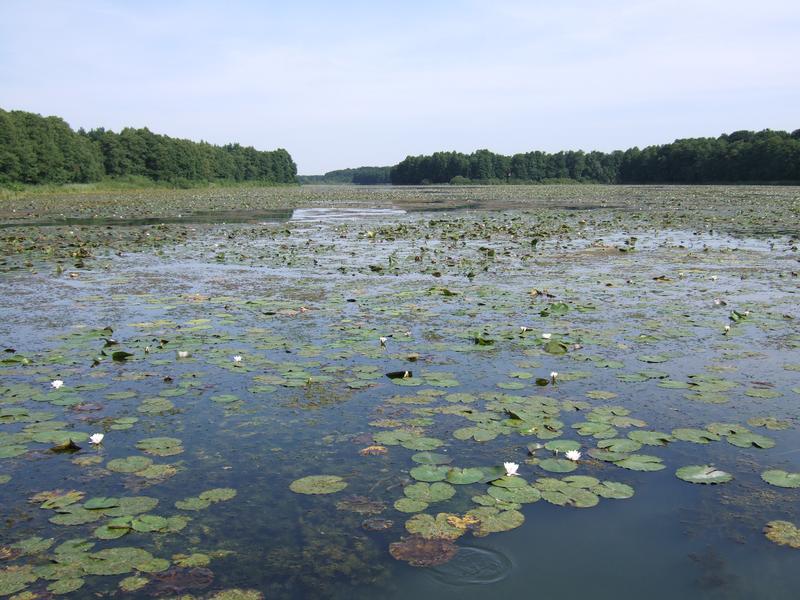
351 83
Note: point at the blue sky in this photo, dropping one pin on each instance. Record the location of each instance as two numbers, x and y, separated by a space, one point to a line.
342 84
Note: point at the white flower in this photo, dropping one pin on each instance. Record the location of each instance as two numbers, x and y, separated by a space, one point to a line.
56 383
237 359
553 376
713 278
183 354
96 438
383 340
573 455
727 329
511 468
547 336
523 329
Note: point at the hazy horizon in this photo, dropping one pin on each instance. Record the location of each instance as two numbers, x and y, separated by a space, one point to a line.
356 84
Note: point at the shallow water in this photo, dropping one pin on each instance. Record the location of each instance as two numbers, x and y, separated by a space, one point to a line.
304 303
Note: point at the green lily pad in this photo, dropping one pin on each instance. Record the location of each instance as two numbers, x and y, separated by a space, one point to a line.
431 458
218 494
16 578
750 440
493 520
696 436
613 490
518 495
318 484
641 462
781 478
431 527
422 443
464 476
66 585
409 505
429 492
160 446
703 474
558 465
562 445
429 473
129 464
651 438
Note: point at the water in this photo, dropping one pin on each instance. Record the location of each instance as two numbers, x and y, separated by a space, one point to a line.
305 301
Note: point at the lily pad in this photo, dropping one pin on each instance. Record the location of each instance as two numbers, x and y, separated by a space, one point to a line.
429 492
641 462
558 465
318 484
464 476
703 474
781 478
429 473
783 533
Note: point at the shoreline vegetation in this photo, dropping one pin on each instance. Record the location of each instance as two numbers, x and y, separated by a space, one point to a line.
42 155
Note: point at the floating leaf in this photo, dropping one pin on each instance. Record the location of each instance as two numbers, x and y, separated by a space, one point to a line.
409 505
431 527
781 478
129 464
418 551
748 440
702 474
160 446
783 533
429 473
558 465
697 436
318 484
433 492
641 462
464 476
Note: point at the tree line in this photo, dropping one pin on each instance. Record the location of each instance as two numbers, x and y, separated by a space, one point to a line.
742 156
36 150
358 175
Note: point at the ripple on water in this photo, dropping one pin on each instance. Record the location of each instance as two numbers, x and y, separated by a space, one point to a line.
473 565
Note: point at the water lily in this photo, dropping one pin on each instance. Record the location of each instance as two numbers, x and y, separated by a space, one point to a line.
727 330
523 329
573 455
56 383
183 354
96 438
547 336
511 468
383 340
553 377
237 358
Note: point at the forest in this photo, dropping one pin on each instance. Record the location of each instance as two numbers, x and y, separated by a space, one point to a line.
359 176
740 157
46 150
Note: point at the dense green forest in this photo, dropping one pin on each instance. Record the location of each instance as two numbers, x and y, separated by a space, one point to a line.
359 175
36 150
742 156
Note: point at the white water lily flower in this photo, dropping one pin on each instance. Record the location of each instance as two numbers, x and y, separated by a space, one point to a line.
237 359
727 329
183 354
573 455
56 383
547 336
96 438
553 376
523 329
511 468
383 340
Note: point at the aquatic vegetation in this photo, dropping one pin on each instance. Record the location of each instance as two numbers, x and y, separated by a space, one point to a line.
300 401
